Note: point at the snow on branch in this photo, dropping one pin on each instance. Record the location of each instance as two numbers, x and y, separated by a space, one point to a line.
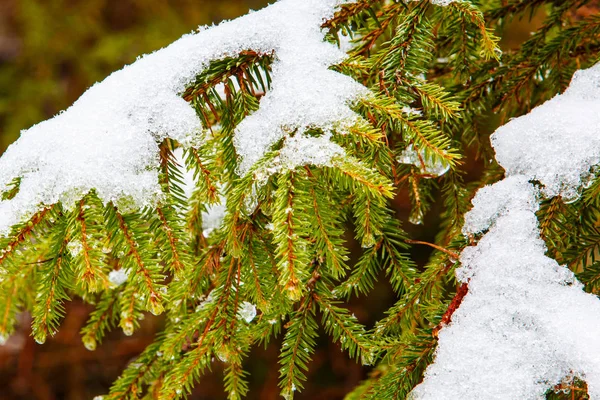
526 323
108 139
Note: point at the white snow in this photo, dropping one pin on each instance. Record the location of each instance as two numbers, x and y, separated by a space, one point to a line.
441 2
526 323
247 312
300 150
74 247
189 183
118 276
107 140
529 145
214 215
305 150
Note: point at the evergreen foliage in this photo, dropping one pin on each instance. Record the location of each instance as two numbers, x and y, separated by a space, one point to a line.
436 73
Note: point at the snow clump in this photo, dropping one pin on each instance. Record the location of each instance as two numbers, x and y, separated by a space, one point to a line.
108 139
526 324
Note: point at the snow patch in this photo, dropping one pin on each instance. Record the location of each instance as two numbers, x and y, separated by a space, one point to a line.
247 311
213 217
118 276
441 2
558 142
526 322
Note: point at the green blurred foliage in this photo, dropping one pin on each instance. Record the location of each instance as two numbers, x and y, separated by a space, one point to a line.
52 50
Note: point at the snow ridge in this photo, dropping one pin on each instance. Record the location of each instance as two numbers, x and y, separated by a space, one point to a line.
526 323
107 140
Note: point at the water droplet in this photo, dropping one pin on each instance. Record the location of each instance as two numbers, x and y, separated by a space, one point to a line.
294 293
416 217
156 307
127 327
368 241
89 342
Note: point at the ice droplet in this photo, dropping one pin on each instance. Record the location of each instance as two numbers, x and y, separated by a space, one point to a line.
431 168
247 312
222 354
368 241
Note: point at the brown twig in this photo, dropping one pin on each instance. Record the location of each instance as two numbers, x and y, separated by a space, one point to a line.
435 246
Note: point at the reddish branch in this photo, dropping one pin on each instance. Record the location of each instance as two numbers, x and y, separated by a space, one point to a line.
435 246
454 304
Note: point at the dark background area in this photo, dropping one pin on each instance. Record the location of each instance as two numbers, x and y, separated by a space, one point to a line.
50 52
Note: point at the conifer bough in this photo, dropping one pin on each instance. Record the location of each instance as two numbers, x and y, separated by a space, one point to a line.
215 180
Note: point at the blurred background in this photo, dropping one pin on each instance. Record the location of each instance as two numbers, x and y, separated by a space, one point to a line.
51 51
